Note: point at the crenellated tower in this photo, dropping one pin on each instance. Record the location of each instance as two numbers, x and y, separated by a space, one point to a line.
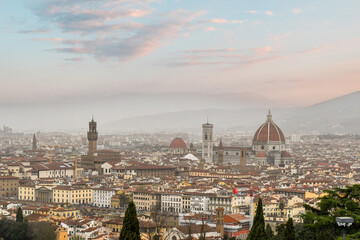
92 135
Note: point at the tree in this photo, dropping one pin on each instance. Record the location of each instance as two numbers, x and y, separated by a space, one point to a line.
19 215
280 232
269 232
258 229
339 202
130 229
289 230
43 231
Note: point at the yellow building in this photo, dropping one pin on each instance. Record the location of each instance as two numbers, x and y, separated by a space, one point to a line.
72 195
61 233
59 213
146 200
114 225
27 192
115 201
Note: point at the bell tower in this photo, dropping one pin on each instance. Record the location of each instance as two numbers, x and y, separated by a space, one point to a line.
221 154
207 142
92 135
34 145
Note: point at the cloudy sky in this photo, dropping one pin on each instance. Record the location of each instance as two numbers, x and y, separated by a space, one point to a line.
298 52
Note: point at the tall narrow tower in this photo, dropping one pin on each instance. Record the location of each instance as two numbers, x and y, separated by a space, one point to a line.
34 144
92 137
220 154
207 142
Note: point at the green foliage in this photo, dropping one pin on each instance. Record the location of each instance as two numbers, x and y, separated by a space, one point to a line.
340 202
304 233
10 230
19 215
43 231
289 230
258 229
280 230
130 229
269 232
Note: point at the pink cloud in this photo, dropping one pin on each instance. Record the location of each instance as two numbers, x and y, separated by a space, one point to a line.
210 29
48 39
252 12
262 50
278 37
317 49
297 10
269 13
218 20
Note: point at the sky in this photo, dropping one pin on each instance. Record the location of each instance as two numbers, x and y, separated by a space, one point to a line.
293 52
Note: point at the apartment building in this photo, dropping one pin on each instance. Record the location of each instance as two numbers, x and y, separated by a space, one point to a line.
146 200
102 196
9 186
171 202
73 195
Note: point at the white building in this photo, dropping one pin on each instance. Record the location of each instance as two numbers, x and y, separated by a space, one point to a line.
102 196
171 202
199 203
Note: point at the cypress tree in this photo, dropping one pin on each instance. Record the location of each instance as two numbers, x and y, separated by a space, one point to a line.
130 229
289 230
269 232
19 215
258 229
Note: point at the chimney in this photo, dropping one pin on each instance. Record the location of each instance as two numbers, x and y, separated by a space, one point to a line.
220 221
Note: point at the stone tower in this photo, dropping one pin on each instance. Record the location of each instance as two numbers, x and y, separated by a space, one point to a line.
220 221
34 144
221 154
207 142
92 135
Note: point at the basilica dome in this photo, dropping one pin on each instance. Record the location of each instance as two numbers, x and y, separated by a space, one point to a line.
178 143
268 133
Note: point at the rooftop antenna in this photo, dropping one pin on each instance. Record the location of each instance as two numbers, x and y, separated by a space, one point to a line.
207 119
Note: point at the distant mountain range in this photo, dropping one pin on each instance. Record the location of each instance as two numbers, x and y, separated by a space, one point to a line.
150 112
339 115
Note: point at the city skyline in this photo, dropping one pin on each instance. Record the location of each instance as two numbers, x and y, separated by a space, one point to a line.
295 53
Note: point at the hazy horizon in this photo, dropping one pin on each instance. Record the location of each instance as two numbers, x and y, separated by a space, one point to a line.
63 61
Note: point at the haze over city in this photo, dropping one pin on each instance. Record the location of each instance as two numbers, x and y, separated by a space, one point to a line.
179 120
278 54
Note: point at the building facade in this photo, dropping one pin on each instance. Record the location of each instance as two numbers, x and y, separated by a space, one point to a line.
9 186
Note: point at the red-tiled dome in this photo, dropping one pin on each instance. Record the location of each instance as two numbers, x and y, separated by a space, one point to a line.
268 132
261 155
285 154
178 143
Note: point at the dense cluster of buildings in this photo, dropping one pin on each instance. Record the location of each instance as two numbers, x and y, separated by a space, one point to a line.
209 184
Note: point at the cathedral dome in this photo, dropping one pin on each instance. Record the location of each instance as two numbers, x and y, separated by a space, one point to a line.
268 132
178 143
